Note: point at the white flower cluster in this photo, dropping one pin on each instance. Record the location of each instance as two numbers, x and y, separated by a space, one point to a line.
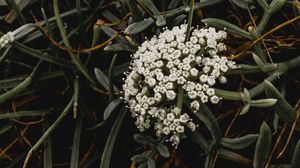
166 63
6 39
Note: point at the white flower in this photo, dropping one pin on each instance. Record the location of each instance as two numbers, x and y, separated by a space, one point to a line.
185 51
176 111
214 99
222 79
224 68
204 99
151 101
173 77
181 80
180 129
166 63
210 91
175 140
195 105
184 118
211 81
170 117
198 60
166 130
192 94
203 78
171 95
157 97
194 40
191 126
169 85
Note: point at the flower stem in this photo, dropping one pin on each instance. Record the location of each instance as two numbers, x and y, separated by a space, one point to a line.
180 98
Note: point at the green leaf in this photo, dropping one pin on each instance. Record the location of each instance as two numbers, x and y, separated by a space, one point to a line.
296 156
5 128
144 139
201 141
257 60
111 107
47 146
275 6
139 158
109 15
263 146
150 163
240 142
74 163
177 20
206 116
136 13
103 79
112 32
246 97
117 47
149 5
138 27
107 152
263 102
228 95
48 131
26 113
229 155
244 4
231 28
245 109
42 56
209 160
163 150
282 107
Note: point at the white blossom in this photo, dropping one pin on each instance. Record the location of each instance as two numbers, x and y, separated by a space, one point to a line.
167 62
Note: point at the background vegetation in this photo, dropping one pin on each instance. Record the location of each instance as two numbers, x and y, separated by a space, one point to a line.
60 83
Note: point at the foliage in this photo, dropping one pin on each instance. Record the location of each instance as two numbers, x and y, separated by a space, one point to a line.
62 65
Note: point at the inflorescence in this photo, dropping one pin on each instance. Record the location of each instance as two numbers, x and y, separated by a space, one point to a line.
166 63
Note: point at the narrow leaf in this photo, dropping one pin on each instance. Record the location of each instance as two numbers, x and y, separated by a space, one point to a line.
240 142
47 145
103 79
229 155
107 152
282 107
138 27
150 163
263 102
231 28
263 146
210 121
144 139
111 107
74 163
26 113
296 156
245 109
117 47
244 4
163 150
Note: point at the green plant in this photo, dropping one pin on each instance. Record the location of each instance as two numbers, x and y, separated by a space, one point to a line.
63 57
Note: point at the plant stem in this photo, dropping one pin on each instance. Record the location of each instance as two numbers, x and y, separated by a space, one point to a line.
48 132
63 34
180 98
